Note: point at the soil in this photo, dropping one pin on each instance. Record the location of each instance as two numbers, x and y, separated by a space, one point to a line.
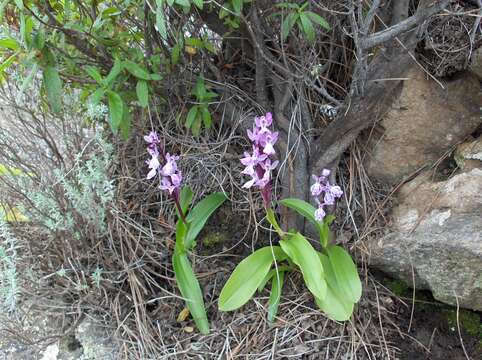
434 333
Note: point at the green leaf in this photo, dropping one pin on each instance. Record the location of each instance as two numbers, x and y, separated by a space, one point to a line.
185 198
142 92
160 19
53 87
116 109
39 40
9 43
275 295
196 127
302 254
114 72
198 216
191 116
246 278
96 96
325 230
237 6
307 27
181 231
136 70
200 89
335 305
94 73
175 54
184 3
317 19
304 209
198 3
272 272
287 5
345 272
288 24
190 290
207 120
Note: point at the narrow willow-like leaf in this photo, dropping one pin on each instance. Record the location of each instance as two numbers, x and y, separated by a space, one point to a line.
190 290
318 20
345 272
53 88
142 92
246 278
335 305
277 282
307 27
306 258
191 116
116 109
136 70
200 214
288 24
161 19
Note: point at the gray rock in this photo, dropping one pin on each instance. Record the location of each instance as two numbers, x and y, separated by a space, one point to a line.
423 124
437 238
476 62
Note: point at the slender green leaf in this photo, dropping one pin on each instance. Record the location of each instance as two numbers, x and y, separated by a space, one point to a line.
272 272
185 198
207 120
185 3
95 98
142 92
114 72
196 127
325 230
275 295
307 27
27 81
304 209
198 3
181 232
53 88
198 216
288 23
136 70
9 43
116 109
335 305
305 257
317 19
190 290
94 73
246 278
345 272
161 19
191 116
237 6
287 5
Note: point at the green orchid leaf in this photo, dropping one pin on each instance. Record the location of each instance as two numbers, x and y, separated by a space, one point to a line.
185 198
198 216
345 272
305 257
190 290
275 295
335 304
142 92
246 278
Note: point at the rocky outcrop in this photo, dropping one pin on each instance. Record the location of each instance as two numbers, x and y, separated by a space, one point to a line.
436 236
424 123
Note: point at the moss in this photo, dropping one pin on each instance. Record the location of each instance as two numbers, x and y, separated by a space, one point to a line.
468 321
399 287
213 238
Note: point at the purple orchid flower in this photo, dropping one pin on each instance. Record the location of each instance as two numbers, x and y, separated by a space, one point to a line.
322 188
259 164
164 166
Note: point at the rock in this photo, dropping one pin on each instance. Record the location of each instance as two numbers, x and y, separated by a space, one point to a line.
469 155
476 62
437 236
423 124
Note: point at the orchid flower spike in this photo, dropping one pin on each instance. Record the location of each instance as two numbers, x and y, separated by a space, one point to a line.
324 193
259 164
